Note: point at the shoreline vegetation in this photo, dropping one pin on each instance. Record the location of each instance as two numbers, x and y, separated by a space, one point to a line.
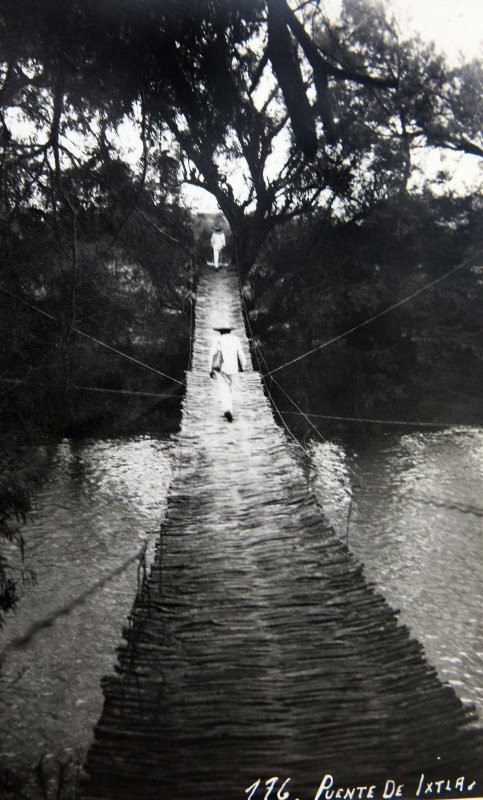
423 362
312 281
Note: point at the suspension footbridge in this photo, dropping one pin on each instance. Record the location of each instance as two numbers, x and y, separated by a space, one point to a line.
256 647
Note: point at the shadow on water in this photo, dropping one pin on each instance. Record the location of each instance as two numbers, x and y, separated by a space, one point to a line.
97 509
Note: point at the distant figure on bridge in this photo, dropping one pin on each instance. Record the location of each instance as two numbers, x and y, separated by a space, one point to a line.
226 360
217 242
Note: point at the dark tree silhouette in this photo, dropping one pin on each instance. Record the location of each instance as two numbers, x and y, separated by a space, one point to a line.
296 106
234 82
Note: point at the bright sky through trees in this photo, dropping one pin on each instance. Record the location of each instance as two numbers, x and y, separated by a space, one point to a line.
456 27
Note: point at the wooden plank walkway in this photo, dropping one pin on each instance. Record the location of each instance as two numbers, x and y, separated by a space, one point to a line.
257 648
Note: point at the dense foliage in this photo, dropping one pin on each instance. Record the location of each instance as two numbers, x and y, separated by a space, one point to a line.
274 111
316 279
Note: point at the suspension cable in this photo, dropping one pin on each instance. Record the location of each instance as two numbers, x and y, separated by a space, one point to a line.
191 294
299 411
154 226
466 263
259 356
93 339
399 422
257 347
129 392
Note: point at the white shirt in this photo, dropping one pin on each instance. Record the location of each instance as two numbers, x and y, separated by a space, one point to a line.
218 240
231 350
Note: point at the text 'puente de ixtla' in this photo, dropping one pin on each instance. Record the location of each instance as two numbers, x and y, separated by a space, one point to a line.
256 647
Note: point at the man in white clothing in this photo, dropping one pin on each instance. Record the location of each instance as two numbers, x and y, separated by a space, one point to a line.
217 242
226 360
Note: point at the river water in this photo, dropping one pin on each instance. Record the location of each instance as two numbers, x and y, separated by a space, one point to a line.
410 504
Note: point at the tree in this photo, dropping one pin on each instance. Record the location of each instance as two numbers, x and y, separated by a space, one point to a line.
315 279
237 85
198 74
93 243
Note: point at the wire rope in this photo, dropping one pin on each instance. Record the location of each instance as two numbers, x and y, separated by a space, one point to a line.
299 411
400 422
103 390
463 265
259 357
257 348
191 294
94 339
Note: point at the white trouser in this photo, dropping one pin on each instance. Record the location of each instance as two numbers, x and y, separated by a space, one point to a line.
216 257
226 384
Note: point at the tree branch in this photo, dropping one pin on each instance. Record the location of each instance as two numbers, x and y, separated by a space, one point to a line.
464 145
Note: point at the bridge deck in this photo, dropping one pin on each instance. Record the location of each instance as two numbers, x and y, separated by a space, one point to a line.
257 648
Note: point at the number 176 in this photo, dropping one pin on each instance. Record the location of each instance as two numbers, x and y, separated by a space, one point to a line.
270 785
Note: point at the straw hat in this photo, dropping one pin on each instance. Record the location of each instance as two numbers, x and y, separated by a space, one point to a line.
223 325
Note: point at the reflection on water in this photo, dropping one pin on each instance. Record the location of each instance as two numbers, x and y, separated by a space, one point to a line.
416 523
101 502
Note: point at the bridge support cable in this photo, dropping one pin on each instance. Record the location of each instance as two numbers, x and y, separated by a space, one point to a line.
400 422
259 351
97 341
299 411
463 265
260 358
192 319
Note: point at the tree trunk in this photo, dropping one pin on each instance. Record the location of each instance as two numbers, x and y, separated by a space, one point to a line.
249 234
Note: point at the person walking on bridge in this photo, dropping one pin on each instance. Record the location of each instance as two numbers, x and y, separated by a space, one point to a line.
218 242
226 360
